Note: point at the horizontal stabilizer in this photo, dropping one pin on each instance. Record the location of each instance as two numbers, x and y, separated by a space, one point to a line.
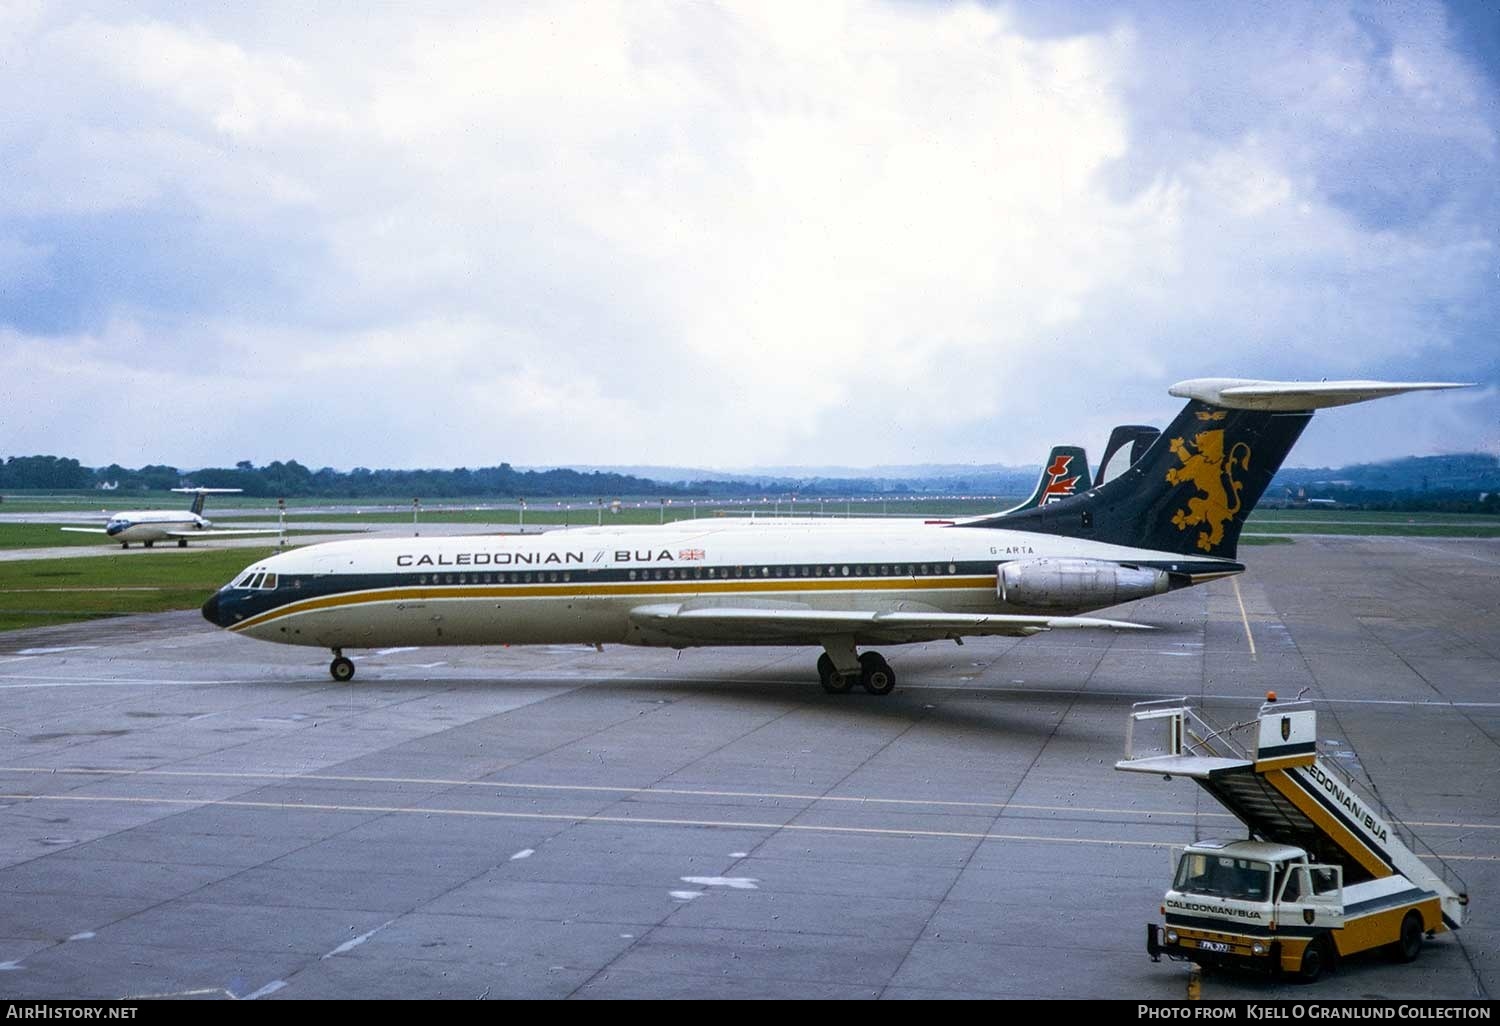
84 530
1296 396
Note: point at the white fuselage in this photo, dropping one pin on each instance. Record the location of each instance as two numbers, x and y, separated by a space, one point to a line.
581 586
153 525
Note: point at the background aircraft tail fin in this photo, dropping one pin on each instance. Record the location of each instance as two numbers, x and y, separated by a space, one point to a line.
199 494
1065 474
1129 443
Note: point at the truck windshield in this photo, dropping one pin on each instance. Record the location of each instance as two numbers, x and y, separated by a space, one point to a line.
1223 876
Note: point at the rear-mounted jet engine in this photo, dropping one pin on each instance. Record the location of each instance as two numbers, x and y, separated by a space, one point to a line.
1076 583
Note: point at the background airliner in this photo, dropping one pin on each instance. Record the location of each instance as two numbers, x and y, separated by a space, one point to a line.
1170 521
149 526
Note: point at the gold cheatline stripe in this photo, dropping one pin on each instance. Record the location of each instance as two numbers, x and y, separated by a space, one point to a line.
575 590
1341 835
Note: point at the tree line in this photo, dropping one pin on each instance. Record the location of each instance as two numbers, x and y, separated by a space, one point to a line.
1456 484
291 479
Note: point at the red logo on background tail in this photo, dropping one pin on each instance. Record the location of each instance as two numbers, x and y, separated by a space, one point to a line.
1058 486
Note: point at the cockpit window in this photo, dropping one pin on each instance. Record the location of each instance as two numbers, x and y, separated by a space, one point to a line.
244 582
255 581
269 582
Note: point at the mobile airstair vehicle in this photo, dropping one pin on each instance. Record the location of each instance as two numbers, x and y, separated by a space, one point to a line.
1325 872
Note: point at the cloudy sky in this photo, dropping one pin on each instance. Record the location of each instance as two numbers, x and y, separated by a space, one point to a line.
734 234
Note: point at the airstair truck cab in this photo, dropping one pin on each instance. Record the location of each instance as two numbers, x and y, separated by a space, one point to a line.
1324 874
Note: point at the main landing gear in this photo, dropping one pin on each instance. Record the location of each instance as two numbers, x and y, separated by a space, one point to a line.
839 668
341 669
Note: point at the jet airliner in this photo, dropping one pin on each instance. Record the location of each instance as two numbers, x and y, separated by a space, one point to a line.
1172 520
149 526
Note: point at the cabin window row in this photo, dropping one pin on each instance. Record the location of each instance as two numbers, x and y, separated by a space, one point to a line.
532 578
699 573
710 573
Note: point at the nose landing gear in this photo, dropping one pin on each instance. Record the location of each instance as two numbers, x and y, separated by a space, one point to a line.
341 669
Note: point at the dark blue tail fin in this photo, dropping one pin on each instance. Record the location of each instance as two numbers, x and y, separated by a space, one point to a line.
1192 490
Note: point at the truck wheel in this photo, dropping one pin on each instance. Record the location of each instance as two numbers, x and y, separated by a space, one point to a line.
1316 959
1409 945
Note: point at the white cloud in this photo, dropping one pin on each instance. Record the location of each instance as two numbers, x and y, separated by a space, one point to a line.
730 234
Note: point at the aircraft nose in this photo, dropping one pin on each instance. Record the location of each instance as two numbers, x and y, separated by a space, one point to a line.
211 610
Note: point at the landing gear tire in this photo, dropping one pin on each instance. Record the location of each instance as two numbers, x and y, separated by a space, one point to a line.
182 543
1409 944
834 682
341 669
1317 959
148 544
124 545
876 675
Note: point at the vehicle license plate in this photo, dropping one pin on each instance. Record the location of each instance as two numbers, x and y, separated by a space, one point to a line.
1213 946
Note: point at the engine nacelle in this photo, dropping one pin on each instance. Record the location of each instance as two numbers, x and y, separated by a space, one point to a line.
1075 583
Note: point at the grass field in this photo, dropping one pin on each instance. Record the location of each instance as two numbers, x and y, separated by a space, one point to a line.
87 504
585 514
1416 530
93 501
46 536
41 592
1339 516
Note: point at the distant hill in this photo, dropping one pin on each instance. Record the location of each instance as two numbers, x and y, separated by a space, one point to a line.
1472 471
1455 472
945 478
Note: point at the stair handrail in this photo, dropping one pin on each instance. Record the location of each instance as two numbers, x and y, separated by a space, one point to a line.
1190 741
1367 789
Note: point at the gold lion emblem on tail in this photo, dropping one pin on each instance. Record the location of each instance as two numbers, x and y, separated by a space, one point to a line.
1207 468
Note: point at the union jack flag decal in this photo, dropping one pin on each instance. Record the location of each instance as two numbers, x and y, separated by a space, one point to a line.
691 554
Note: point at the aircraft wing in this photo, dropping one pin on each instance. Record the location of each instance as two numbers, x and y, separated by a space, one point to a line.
84 530
224 532
728 625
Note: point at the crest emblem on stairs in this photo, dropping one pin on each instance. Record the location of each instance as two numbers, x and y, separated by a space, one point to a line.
1308 915
1286 728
